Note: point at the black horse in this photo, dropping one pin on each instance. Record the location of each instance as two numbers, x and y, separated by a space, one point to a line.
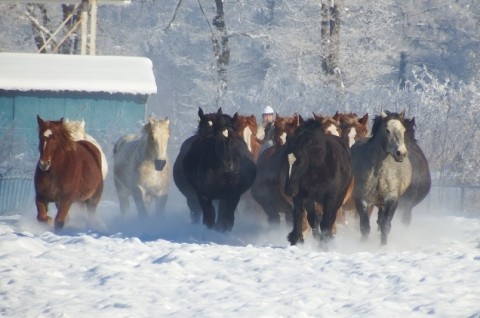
205 125
421 179
320 174
219 166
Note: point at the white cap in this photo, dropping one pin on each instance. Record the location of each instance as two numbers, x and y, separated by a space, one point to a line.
268 110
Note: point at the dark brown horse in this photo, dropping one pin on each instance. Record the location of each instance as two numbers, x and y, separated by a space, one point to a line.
320 174
68 171
272 171
421 179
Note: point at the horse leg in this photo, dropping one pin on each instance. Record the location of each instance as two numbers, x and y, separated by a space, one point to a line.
406 209
137 194
296 234
123 194
208 211
195 208
330 208
226 213
62 213
312 217
42 210
362 210
160 203
386 221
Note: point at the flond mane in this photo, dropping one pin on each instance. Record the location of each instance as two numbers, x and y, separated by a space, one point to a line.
63 130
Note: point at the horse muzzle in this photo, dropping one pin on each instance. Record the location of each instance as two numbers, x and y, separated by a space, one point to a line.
44 165
160 164
400 156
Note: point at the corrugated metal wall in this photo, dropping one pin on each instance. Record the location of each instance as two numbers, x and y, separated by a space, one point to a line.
107 117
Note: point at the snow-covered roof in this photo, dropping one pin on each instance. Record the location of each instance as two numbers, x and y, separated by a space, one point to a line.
77 73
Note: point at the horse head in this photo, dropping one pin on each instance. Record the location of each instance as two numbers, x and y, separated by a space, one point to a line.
158 134
391 128
246 128
352 128
53 135
330 125
285 127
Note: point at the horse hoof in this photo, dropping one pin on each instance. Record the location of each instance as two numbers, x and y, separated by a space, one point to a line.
59 225
294 239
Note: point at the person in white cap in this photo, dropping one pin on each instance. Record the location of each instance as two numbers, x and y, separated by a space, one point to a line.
268 114
264 131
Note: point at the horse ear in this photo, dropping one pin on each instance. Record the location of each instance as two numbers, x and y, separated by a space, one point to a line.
200 112
402 114
336 116
235 116
300 120
364 119
40 121
384 114
219 111
61 120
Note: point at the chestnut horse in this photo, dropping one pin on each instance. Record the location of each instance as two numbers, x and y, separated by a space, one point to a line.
246 127
68 171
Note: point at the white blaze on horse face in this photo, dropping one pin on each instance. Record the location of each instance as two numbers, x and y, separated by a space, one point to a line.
47 133
225 133
161 134
291 161
351 136
210 123
247 134
332 130
283 137
396 142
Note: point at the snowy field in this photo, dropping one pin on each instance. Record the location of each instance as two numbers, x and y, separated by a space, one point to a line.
109 266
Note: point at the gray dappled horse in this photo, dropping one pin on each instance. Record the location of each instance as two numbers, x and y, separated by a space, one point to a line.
382 171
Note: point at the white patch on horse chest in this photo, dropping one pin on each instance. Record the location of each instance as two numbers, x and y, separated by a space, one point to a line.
247 134
291 161
351 136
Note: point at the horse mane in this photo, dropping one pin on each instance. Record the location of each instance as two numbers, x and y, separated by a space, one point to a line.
380 119
64 131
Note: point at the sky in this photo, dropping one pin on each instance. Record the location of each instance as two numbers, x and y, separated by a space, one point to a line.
107 265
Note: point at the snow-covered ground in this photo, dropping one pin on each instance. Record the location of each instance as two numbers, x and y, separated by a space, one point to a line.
109 266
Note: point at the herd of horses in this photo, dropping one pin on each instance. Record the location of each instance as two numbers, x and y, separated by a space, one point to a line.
309 172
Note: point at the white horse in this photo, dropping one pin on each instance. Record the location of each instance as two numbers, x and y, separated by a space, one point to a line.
141 168
77 131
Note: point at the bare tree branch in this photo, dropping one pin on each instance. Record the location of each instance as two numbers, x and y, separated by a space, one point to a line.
174 16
